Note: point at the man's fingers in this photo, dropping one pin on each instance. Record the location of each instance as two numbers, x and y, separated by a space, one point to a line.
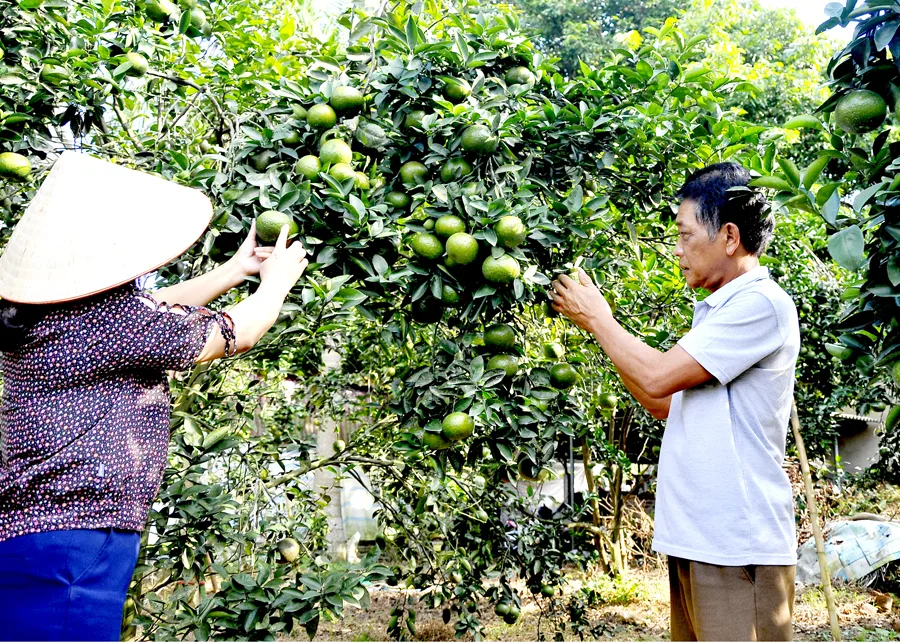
281 244
566 280
583 278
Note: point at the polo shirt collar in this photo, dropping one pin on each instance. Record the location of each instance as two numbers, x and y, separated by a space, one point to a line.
726 291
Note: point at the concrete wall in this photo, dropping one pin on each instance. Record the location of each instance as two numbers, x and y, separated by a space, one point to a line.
858 444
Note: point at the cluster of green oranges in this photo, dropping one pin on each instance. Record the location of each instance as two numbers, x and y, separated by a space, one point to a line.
508 610
445 236
166 11
450 241
501 347
335 155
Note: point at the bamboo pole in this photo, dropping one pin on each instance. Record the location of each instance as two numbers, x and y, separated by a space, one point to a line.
814 519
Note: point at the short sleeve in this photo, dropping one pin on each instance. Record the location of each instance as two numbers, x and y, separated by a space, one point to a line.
168 338
735 337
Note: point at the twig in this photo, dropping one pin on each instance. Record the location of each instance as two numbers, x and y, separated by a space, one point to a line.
168 128
124 123
189 83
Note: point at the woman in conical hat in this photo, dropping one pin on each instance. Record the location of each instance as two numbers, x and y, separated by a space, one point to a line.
84 421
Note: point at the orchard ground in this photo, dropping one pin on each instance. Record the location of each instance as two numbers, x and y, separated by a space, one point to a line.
641 613
636 607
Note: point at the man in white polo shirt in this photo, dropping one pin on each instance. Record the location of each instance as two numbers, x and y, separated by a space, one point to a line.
724 507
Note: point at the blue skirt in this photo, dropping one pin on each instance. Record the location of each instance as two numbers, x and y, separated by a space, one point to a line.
66 585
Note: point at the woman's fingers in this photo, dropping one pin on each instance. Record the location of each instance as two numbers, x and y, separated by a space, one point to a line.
298 250
281 244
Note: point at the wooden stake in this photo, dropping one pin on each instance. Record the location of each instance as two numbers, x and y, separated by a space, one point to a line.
814 519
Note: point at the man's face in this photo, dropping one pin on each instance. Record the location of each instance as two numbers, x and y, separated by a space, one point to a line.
703 261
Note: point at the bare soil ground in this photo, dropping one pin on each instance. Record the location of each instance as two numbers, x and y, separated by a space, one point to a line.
645 618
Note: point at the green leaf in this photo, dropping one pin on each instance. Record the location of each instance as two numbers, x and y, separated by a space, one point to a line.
885 33
846 247
771 182
804 121
831 208
288 27
866 195
791 171
814 170
245 580
185 23
893 269
695 72
839 351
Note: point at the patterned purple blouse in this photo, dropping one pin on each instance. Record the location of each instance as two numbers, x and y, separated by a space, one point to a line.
84 421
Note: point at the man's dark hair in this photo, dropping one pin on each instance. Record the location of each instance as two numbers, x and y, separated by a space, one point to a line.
721 195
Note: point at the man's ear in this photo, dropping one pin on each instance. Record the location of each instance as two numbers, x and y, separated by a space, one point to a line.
732 238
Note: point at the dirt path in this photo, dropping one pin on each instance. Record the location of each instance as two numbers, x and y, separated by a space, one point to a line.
643 619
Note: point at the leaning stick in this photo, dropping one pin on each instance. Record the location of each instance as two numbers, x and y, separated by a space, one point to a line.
814 519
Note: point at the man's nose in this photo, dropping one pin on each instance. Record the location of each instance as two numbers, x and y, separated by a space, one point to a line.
678 252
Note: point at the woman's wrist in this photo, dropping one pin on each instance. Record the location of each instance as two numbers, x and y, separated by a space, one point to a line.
274 289
233 273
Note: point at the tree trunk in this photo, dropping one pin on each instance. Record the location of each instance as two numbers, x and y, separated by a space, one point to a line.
325 483
595 506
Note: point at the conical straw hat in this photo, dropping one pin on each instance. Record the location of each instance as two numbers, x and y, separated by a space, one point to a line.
94 225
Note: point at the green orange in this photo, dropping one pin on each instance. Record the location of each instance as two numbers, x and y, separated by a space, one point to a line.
457 426
427 245
462 248
506 363
308 166
519 76
335 151
321 116
500 270
342 172
413 173
563 376
414 119
346 99
510 231
397 199
449 296
499 337
448 225
860 111
435 441
478 139
269 224
455 169
456 90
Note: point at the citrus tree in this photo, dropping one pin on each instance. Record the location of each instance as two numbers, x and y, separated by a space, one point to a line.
849 185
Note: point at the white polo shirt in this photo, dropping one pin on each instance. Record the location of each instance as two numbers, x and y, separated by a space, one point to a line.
722 496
